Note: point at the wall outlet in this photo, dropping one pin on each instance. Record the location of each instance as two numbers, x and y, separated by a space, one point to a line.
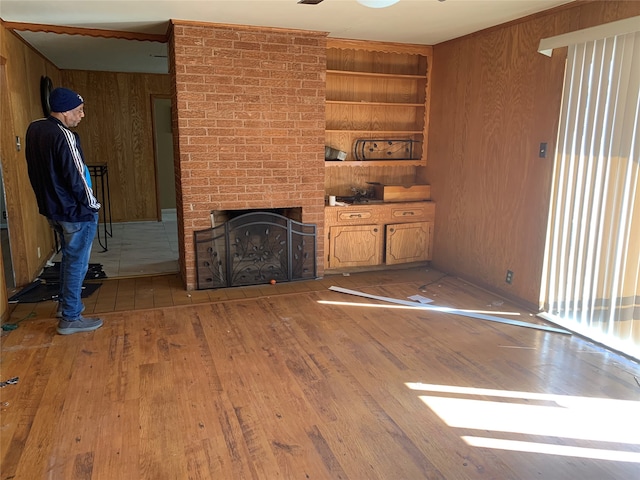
509 278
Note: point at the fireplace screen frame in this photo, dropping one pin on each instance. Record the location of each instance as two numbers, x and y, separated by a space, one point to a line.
255 248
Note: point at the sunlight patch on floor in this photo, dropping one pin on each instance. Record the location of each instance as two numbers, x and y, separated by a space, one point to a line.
562 418
418 306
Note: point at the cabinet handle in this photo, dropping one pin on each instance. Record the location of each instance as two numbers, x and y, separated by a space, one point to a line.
355 215
375 229
391 230
408 213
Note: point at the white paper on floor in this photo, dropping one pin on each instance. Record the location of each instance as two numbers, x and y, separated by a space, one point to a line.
420 299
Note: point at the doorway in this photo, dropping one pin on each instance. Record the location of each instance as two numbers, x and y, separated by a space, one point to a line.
163 149
150 247
147 248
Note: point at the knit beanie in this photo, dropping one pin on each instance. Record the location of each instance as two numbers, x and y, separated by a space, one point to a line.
63 100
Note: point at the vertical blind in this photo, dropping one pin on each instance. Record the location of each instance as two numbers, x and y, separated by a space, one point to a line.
591 274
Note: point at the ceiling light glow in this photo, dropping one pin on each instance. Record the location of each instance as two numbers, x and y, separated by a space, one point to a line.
377 3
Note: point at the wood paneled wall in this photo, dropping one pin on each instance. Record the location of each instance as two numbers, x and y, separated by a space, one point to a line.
495 99
118 131
28 230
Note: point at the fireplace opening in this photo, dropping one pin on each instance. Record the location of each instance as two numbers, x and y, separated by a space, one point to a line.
252 247
218 217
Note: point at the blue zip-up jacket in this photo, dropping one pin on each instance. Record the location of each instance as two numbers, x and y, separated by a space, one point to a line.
56 169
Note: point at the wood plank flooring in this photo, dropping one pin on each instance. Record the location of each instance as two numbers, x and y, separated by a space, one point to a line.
265 382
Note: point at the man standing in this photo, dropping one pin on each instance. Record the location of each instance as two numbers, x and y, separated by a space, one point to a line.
57 172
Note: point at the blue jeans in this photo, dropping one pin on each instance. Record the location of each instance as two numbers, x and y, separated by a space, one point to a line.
76 239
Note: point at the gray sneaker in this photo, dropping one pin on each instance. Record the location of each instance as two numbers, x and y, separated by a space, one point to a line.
80 325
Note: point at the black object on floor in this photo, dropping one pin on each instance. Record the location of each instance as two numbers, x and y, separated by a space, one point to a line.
53 272
40 291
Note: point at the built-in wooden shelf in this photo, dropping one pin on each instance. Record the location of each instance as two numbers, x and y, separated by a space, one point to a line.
362 103
375 75
375 163
378 132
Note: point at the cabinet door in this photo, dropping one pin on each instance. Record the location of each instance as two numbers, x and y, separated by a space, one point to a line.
408 242
355 246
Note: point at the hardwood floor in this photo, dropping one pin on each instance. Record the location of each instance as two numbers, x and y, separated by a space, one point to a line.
264 382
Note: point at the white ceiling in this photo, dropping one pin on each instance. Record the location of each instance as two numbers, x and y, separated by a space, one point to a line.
427 22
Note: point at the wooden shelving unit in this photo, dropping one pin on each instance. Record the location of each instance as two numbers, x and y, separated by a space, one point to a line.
377 90
377 111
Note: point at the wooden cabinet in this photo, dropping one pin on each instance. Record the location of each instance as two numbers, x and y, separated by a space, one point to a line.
379 234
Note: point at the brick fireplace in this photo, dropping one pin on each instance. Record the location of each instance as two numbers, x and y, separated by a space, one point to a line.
248 126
